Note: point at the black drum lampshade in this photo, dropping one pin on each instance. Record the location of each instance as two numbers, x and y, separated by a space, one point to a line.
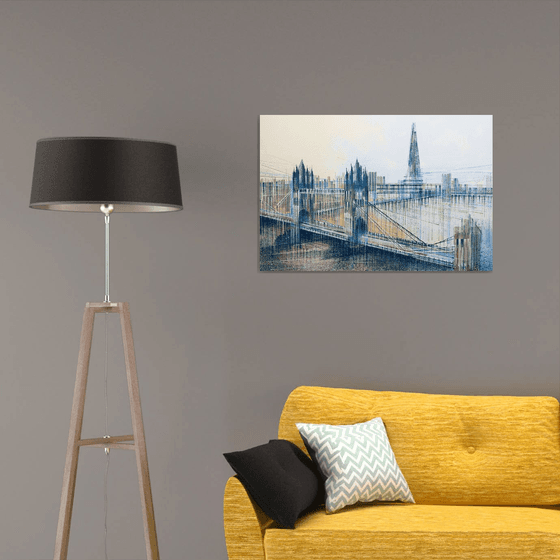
80 174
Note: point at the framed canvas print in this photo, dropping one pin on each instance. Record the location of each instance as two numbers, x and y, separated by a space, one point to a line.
376 193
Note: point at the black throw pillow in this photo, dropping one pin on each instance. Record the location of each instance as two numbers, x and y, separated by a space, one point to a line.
281 478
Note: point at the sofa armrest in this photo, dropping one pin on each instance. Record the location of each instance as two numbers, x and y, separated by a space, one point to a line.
244 523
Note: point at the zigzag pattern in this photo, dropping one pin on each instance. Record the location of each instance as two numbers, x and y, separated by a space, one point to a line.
358 463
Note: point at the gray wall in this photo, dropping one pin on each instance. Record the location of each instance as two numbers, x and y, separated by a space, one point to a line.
220 345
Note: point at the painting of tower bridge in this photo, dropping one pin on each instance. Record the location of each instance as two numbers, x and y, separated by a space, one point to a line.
349 193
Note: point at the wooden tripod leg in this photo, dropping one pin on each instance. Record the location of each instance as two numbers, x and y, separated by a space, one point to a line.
72 450
150 534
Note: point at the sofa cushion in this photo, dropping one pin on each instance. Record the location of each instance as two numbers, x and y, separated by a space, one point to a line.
421 532
357 463
466 450
280 478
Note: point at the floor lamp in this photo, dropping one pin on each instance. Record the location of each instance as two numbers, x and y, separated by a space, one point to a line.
105 175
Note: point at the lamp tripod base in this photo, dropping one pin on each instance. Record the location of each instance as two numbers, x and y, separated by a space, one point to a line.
135 442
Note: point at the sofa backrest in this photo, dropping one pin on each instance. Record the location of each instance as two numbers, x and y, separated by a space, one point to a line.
463 450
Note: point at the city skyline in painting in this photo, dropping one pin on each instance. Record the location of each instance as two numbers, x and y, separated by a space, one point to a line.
376 193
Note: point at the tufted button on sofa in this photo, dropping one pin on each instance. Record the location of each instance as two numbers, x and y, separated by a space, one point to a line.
484 472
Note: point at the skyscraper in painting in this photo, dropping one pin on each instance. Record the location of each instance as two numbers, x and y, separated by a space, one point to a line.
414 174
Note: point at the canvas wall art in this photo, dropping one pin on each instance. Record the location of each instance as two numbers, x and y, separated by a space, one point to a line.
376 193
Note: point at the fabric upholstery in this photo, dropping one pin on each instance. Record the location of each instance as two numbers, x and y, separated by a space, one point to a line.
357 462
421 532
244 523
456 450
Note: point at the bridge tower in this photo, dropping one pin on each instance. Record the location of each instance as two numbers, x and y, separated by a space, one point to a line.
413 179
356 202
302 197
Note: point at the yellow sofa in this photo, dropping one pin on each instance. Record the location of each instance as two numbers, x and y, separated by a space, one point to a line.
484 472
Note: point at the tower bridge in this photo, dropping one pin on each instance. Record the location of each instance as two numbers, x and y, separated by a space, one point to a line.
346 215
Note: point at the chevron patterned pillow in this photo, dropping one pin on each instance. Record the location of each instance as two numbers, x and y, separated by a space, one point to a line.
357 462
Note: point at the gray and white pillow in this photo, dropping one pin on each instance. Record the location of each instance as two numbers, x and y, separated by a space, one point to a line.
358 463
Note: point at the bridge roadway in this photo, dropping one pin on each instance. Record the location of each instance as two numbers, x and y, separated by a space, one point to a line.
426 253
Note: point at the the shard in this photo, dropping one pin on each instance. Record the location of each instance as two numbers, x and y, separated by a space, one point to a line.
414 174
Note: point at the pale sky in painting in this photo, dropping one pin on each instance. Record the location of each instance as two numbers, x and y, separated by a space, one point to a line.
456 144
